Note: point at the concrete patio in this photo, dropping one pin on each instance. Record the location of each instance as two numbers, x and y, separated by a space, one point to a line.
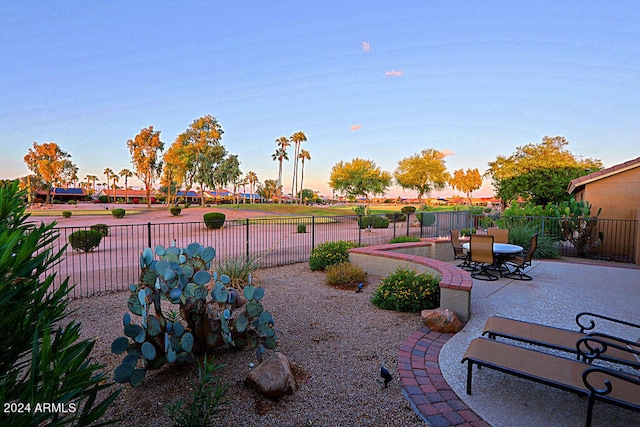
556 294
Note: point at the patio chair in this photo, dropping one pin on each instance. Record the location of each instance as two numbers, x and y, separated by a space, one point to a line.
500 235
458 252
595 382
481 257
569 340
520 262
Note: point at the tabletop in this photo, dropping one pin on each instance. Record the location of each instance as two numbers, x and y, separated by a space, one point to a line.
501 248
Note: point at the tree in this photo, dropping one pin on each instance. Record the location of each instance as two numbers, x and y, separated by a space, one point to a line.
297 139
126 174
269 189
47 162
304 155
174 173
359 177
147 165
92 179
252 179
69 175
280 155
539 172
423 172
114 186
227 172
108 172
467 182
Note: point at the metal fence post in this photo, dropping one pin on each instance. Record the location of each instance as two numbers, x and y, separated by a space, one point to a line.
313 232
359 231
408 221
394 225
149 234
247 222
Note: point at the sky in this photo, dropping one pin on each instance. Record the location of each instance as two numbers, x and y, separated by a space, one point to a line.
369 79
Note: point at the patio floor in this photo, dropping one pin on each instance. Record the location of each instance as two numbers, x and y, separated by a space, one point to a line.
558 292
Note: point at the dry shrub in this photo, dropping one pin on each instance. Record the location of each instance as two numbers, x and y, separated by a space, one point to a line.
345 276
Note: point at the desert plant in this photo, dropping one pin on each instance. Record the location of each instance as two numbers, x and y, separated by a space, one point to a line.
66 214
85 240
375 221
118 213
521 234
345 276
103 199
329 253
214 220
360 210
43 358
175 210
404 239
408 209
398 217
467 231
102 228
426 219
239 270
229 319
406 290
302 228
577 225
207 399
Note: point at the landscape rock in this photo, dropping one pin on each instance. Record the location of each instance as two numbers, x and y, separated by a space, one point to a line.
442 320
273 377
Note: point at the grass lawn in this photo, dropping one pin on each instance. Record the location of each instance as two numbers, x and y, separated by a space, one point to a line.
339 210
76 212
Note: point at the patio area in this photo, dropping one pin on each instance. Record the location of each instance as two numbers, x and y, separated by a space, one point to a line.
556 294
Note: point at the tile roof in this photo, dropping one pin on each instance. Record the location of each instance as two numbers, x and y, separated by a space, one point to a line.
603 173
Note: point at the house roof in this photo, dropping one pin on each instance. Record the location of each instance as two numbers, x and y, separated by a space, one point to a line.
65 192
189 193
574 184
121 193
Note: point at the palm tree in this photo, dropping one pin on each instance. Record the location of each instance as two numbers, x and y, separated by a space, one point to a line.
304 155
92 179
126 174
280 155
297 138
108 172
115 179
252 177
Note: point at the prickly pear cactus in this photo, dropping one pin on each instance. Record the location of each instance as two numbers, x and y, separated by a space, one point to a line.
578 226
214 315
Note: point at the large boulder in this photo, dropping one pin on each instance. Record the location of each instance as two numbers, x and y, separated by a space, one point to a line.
273 377
442 320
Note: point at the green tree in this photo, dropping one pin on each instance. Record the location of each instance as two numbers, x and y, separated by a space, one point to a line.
227 172
423 172
539 172
47 161
280 155
467 182
297 139
252 179
126 174
42 358
108 173
304 155
269 189
92 179
146 161
360 177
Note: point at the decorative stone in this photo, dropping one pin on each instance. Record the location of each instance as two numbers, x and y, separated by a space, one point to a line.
442 320
273 377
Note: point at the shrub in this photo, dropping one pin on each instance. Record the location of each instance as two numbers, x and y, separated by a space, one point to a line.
118 213
102 228
520 234
43 357
467 231
399 217
408 209
360 210
426 219
85 240
239 271
302 228
66 214
406 290
175 210
135 201
213 219
72 202
345 275
375 221
330 253
404 239
103 199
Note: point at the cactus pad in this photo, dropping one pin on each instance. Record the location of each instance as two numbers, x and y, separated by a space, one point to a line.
148 350
137 377
178 329
126 319
187 342
122 374
254 308
202 277
153 326
241 323
119 345
208 254
258 293
248 292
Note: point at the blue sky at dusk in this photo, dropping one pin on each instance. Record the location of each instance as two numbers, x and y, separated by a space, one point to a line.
376 80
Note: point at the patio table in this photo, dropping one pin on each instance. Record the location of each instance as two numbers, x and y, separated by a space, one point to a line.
501 248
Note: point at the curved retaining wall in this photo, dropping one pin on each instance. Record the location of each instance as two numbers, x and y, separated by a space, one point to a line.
456 283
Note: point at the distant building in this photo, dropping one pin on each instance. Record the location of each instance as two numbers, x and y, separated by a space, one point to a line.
64 194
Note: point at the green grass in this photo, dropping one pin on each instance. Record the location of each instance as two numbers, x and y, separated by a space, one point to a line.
286 209
79 212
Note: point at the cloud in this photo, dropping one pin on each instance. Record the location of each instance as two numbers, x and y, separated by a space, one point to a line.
448 153
394 73
356 127
366 47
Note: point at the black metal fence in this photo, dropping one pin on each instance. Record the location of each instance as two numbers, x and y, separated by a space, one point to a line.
279 241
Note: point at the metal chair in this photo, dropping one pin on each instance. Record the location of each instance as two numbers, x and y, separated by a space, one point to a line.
481 247
520 262
500 235
458 251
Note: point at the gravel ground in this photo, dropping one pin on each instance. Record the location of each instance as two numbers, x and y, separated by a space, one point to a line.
335 340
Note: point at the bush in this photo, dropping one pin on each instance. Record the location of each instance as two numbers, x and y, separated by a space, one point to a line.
175 210
330 253
118 213
85 240
375 221
43 358
135 201
404 239
399 217
427 219
302 228
360 210
72 202
103 199
345 276
520 234
467 231
406 290
408 209
102 228
239 271
66 214
213 219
